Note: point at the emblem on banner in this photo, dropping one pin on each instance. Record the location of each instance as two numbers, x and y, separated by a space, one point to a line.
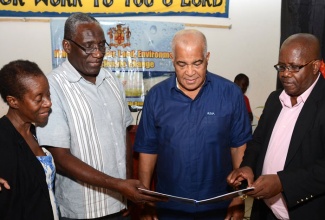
119 36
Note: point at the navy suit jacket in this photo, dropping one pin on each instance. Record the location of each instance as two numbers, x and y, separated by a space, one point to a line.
303 176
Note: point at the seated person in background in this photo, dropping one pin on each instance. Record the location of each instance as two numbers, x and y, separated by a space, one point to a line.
24 165
243 82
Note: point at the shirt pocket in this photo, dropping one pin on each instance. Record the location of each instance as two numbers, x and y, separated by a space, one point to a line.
216 127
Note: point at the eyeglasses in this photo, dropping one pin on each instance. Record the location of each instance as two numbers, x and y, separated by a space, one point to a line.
291 68
92 49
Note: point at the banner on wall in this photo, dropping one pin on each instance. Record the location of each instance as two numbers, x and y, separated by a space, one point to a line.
110 8
140 53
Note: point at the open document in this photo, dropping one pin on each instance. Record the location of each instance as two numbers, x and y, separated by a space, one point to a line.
223 197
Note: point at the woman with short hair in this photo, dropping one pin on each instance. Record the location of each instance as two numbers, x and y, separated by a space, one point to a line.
24 166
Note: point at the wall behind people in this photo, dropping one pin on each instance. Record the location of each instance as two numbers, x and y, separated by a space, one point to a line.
250 46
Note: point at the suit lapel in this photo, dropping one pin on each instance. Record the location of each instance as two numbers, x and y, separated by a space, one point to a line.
36 169
272 115
305 120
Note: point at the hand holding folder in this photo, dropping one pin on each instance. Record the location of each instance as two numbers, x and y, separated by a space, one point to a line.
223 197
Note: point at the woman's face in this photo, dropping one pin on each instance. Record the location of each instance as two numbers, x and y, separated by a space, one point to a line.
35 105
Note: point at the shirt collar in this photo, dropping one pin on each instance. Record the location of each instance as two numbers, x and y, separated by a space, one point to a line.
286 101
74 75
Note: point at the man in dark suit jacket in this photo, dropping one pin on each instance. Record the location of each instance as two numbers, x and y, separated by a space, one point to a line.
285 161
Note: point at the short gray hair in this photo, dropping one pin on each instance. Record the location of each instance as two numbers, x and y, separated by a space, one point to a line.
179 37
72 23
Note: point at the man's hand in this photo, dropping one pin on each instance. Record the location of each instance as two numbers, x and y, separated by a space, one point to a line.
236 209
236 176
266 186
129 189
4 183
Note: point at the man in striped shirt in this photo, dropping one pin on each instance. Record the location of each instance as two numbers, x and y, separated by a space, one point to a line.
86 131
